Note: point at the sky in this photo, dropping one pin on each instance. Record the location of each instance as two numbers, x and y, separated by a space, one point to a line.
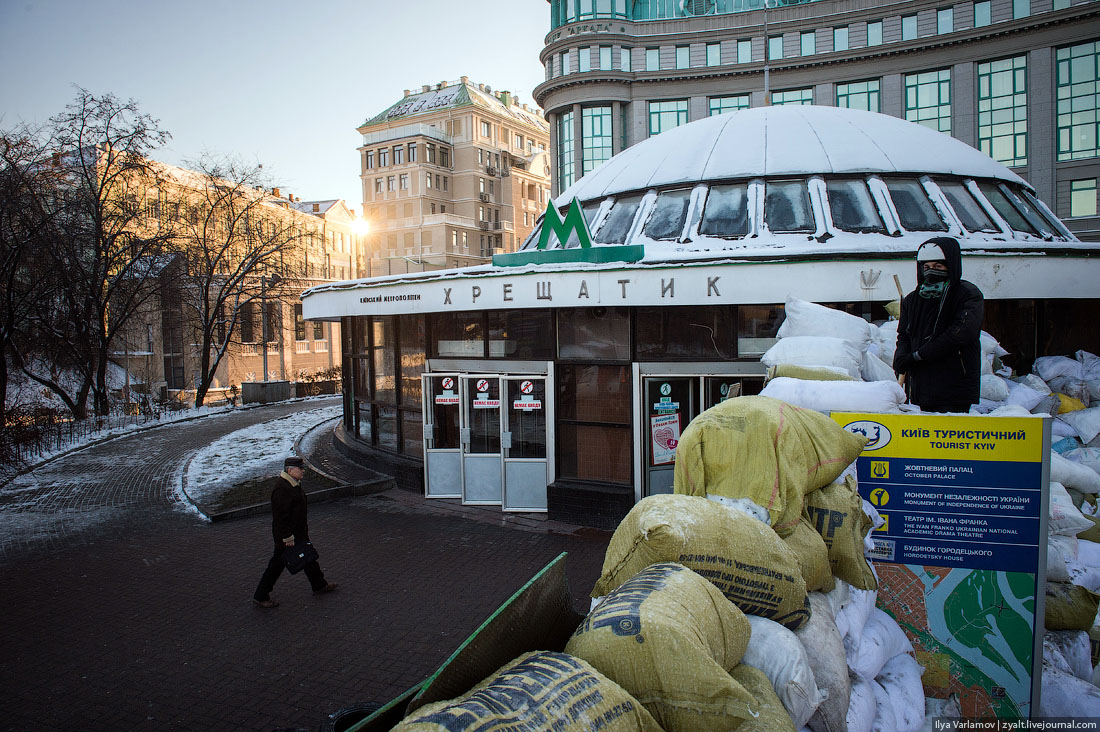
280 83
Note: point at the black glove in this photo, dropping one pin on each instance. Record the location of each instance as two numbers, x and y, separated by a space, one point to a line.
903 363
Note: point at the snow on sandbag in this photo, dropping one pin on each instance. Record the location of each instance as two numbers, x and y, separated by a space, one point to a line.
670 639
770 714
994 388
1064 695
1065 518
886 338
947 708
1069 607
856 612
1073 475
882 640
552 683
1034 381
1088 553
1083 575
1085 421
885 721
1087 456
815 351
862 708
740 556
838 396
873 369
810 319
1057 549
1010 410
777 652
825 654
1069 651
901 678
1023 395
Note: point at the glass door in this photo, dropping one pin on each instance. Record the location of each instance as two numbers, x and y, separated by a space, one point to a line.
524 442
481 440
442 444
669 403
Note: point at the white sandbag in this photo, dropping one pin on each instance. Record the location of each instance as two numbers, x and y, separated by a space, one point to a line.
947 708
1083 575
882 640
776 651
990 346
855 614
1065 518
825 654
1052 367
1096 675
810 319
1085 421
1065 695
877 521
1057 571
1088 553
1023 395
862 707
885 721
1060 429
1047 405
1074 650
886 338
901 678
815 351
1090 364
994 388
837 396
874 369
1087 456
1033 381
1073 475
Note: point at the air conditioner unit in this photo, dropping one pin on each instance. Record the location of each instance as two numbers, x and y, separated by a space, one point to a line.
484 225
484 196
491 170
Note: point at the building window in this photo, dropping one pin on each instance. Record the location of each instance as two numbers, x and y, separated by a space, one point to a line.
721 105
445 179
1021 8
666 115
518 140
683 57
404 181
391 183
378 185
840 39
383 157
928 99
793 96
565 151
398 154
370 160
714 54
1082 197
1078 78
1002 110
595 137
445 156
859 95
775 48
412 152
908 27
486 129
744 52
565 70
945 20
874 33
624 59
428 180
652 59
605 58
808 43
983 14
299 323
584 59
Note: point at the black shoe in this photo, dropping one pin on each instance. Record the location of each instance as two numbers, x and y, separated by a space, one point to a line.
264 603
330 587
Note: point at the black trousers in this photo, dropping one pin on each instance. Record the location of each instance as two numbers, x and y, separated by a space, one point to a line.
275 568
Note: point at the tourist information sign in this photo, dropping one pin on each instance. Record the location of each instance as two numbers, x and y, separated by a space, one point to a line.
961 557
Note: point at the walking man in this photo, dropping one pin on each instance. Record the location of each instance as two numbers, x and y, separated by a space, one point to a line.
289 526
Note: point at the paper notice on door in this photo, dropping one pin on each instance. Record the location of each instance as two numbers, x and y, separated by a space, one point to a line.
664 434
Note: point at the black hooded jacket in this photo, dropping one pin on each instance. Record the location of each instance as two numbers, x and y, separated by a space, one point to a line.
944 332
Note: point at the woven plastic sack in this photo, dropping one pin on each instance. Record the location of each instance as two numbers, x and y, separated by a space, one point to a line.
874 369
1085 421
537 692
810 319
1073 475
862 709
765 450
994 388
1065 518
778 653
1067 403
1064 695
825 654
1069 651
882 396
812 555
901 678
670 639
816 351
772 716
836 511
741 556
809 373
884 710
1069 607
882 639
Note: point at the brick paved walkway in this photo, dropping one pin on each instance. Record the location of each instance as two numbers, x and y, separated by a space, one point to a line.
123 611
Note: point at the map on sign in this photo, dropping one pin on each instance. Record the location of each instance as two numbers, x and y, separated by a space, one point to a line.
959 556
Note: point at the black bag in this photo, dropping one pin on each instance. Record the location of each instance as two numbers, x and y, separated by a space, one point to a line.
298 556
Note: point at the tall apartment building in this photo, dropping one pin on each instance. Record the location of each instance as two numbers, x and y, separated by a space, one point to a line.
1017 79
451 175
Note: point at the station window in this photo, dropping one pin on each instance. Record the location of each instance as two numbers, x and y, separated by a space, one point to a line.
617 224
1002 110
787 207
667 219
594 334
851 206
757 328
520 334
966 207
1009 209
726 213
928 99
859 95
913 205
594 433
458 335
684 333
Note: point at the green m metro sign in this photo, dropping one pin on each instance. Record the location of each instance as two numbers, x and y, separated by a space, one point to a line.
574 223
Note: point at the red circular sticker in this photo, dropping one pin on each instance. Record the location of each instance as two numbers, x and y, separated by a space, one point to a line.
526 387
483 385
448 382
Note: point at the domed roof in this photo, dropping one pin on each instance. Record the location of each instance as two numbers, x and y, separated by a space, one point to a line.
785 140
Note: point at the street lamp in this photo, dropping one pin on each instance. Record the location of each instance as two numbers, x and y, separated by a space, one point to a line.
265 282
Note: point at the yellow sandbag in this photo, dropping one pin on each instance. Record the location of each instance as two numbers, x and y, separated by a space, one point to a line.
741 556
836 511
1093 532
669 638
808 373
1068 403
893 309
773 717
537 692
813 557
1069 607
765 450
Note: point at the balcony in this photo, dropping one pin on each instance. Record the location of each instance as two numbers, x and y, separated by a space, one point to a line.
320 346
301 346
451 219
398 133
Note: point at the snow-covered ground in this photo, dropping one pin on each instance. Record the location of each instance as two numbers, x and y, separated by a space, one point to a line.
252 452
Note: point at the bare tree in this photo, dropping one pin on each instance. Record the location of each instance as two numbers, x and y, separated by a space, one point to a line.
111 239
233 239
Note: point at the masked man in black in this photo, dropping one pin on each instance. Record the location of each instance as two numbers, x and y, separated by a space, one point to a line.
939 348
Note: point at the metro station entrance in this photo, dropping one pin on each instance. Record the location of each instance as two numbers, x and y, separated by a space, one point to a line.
487 438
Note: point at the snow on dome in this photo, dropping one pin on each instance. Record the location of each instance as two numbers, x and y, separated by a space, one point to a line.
785 140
